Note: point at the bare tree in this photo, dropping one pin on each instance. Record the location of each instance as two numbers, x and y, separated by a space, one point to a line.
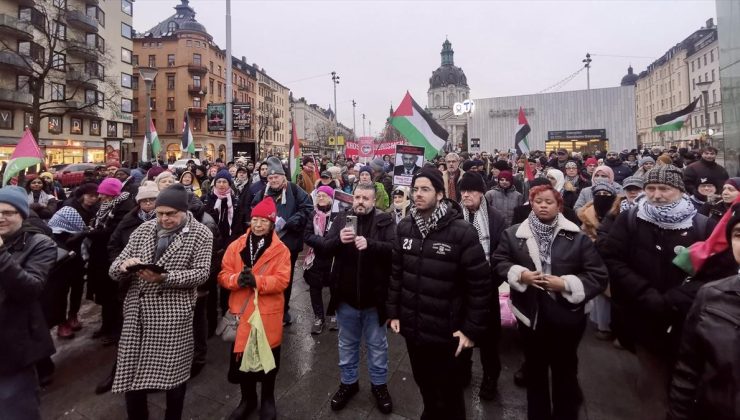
267 117
323 131
62 71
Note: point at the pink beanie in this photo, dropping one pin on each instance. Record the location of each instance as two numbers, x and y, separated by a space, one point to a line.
326 190
607 170
111 187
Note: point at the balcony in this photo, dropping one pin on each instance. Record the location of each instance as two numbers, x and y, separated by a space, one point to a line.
81 79
80 48
12 61
80 109
11 26
197 68
81 21
15 99
196 110
197 90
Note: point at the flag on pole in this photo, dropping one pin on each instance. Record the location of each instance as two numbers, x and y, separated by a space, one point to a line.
522 131
675 120
188 144
26 154
156 145
294 158
145 150
418 127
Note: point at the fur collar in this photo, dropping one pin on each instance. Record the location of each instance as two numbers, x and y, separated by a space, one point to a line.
525 232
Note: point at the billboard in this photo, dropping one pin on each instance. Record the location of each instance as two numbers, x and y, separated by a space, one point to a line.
216 115
242 119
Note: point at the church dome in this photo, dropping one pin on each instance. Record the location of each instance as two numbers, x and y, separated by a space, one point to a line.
447 73
629 79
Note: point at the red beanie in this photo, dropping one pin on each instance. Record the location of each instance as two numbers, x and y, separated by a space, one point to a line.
265 209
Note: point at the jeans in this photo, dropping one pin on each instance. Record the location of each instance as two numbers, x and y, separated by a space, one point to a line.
354 324
436 372
136 403
19 395
200 331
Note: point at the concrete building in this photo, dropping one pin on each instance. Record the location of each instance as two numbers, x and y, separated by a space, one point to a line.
728 20
314 126
447 86
582 120
272 115
191 75
703 63
80 91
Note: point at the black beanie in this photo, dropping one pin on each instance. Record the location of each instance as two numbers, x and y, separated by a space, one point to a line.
502 165
472 182
174 196
434 176
539 181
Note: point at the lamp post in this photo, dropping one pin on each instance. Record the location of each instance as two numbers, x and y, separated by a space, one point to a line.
148 74
363 125
335 82
588 61
354 121
704 87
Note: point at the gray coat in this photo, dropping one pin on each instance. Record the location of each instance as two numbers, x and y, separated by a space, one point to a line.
156 346
505 202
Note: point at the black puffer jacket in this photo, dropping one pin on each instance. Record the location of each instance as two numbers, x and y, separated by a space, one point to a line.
441 283
120 236
693 174
25 262
705 379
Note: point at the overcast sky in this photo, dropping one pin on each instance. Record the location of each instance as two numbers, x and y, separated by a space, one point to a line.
380 49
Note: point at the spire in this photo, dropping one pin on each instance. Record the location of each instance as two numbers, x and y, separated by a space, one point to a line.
447 53
184 9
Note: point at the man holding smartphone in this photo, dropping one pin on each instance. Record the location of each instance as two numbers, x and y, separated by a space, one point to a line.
361 242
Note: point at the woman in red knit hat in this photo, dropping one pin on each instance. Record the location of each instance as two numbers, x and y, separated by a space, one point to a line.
256 261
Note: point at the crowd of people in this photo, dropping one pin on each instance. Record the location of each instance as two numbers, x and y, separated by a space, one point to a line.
174 257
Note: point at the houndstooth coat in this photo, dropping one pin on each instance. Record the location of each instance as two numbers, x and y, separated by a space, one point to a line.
156 346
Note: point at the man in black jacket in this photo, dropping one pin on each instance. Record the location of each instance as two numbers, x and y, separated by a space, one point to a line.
707 168
26 257
362 261
440 292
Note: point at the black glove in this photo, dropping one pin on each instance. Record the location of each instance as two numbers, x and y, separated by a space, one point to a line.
246 278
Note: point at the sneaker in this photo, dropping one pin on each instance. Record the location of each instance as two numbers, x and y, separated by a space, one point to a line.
333 323
343 395
318 326
382 398
488 388
74 323
64 331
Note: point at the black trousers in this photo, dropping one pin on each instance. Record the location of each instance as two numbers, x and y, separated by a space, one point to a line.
200 330
552 350
436 372
293 259
489 358
137 409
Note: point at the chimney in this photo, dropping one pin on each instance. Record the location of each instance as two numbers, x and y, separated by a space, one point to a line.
710 23
244 59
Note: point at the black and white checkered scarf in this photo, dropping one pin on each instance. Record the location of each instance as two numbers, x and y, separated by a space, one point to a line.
425 227
544 235
480 223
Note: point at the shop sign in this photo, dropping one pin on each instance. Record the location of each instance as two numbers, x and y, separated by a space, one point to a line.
75 126
6 119
599 134
123 116
55 124
94 128
216 117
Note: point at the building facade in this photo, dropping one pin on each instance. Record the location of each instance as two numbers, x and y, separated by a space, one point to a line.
703 64
597 119
314 126
66 64
447 86
272 115
728 20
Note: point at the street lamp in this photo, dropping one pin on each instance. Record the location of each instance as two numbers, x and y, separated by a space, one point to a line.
335 82
704 87
148 74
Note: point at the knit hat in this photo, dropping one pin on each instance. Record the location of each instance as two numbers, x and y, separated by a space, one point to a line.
366 169
539 181
472 182
735 182
507 176
147 191
666 175
174 196
274 166
223 173
46 175
502 165
604 186
467 165
265 209
126 171
433 175
326 190
152 173
644 160
571 164
634 181
87 188
111 187
17 198
377 164
326 174
591 161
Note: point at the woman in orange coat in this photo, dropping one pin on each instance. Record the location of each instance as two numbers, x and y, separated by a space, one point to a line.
257 260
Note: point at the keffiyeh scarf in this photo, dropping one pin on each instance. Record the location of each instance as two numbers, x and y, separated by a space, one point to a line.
67 219
146 216
106 210
426 227
674 216
480 223
544 235
320 220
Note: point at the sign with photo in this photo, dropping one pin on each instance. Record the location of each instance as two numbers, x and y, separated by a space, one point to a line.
6 119
75 125
126 133
112 150
344 199
94 128
112 129
55 124
242 119
216 115
409 161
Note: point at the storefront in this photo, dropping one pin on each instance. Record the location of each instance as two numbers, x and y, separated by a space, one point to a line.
59 151
583 141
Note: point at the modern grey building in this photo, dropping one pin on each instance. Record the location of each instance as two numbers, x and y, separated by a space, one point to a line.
581 120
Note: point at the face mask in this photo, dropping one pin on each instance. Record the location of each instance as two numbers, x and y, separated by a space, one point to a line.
602 204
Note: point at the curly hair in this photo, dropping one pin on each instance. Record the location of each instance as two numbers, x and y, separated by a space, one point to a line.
534 191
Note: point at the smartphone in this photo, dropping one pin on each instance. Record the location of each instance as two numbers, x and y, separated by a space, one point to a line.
152 267
352 223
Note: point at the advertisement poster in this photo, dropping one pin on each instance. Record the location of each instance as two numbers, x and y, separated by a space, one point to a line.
112 150
242 120
409 161
216 114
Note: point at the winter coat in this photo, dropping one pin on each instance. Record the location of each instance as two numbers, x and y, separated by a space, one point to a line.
238 228
294 211
587 195
505 202
574 259
122 234
156 346
25 262
693 174
650 296
456 180
621 171
319 273
440 284
272 274
705 378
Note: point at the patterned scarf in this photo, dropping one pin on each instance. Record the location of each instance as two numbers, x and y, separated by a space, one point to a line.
480 223
225 213
426 227
544 235
674 216
67 219
239 184
146 216
165 237
320 221
106 210
625 205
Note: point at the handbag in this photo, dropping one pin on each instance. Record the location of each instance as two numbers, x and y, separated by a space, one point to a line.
508 320
258 355
229 323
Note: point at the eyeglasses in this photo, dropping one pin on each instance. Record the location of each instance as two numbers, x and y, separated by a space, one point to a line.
7 214
172 213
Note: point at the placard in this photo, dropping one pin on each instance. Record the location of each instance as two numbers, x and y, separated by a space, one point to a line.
344 199
216 114
242 120
409 161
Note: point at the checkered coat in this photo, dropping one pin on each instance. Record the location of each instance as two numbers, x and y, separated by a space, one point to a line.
156 346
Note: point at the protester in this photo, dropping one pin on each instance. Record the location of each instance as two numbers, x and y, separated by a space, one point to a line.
705 192
56 188
381 197
620 169
601 174
307 177
155 351
504 197
191 183
644 165
573 184
401 204
717 208
707 168
40 198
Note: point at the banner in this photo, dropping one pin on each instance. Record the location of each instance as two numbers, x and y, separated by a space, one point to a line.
379 149
409 161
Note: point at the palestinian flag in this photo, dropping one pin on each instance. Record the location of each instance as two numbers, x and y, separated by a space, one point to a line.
154 146
25 155
418 127
675 120
188 144
294 158
522 131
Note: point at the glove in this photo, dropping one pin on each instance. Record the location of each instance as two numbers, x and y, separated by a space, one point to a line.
246 278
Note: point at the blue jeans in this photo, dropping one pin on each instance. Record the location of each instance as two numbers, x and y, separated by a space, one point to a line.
353 325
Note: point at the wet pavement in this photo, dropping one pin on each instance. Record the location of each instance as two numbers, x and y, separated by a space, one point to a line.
309 376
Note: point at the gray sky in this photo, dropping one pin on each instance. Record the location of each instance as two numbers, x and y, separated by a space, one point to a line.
380 49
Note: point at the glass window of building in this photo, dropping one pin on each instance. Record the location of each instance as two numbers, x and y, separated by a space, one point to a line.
127 7
125 55
196 81
126 80
170 60
152 61
57 92
170 82
170 103
134 82
170 125
134 60
59 61
196 59
125 30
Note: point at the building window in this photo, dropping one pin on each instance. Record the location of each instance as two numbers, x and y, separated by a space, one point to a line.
219 70
188 42
152 61
135 105
60 30
714 95
210 86
711 56
95 41
126 7
59 61
696 121
170 60
692 66
196 124
126 56
713 78
75 126
31 50
125 30
94 128
135 126
126 105
134 60
134 82
97 14
171 26
196 102
196 81
219 89
56 124
705 59
170 103
153 103
126 130
698 63
196 59
62 4
170 82
211 66
126 80
170 125
32 15
715 117
57 92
